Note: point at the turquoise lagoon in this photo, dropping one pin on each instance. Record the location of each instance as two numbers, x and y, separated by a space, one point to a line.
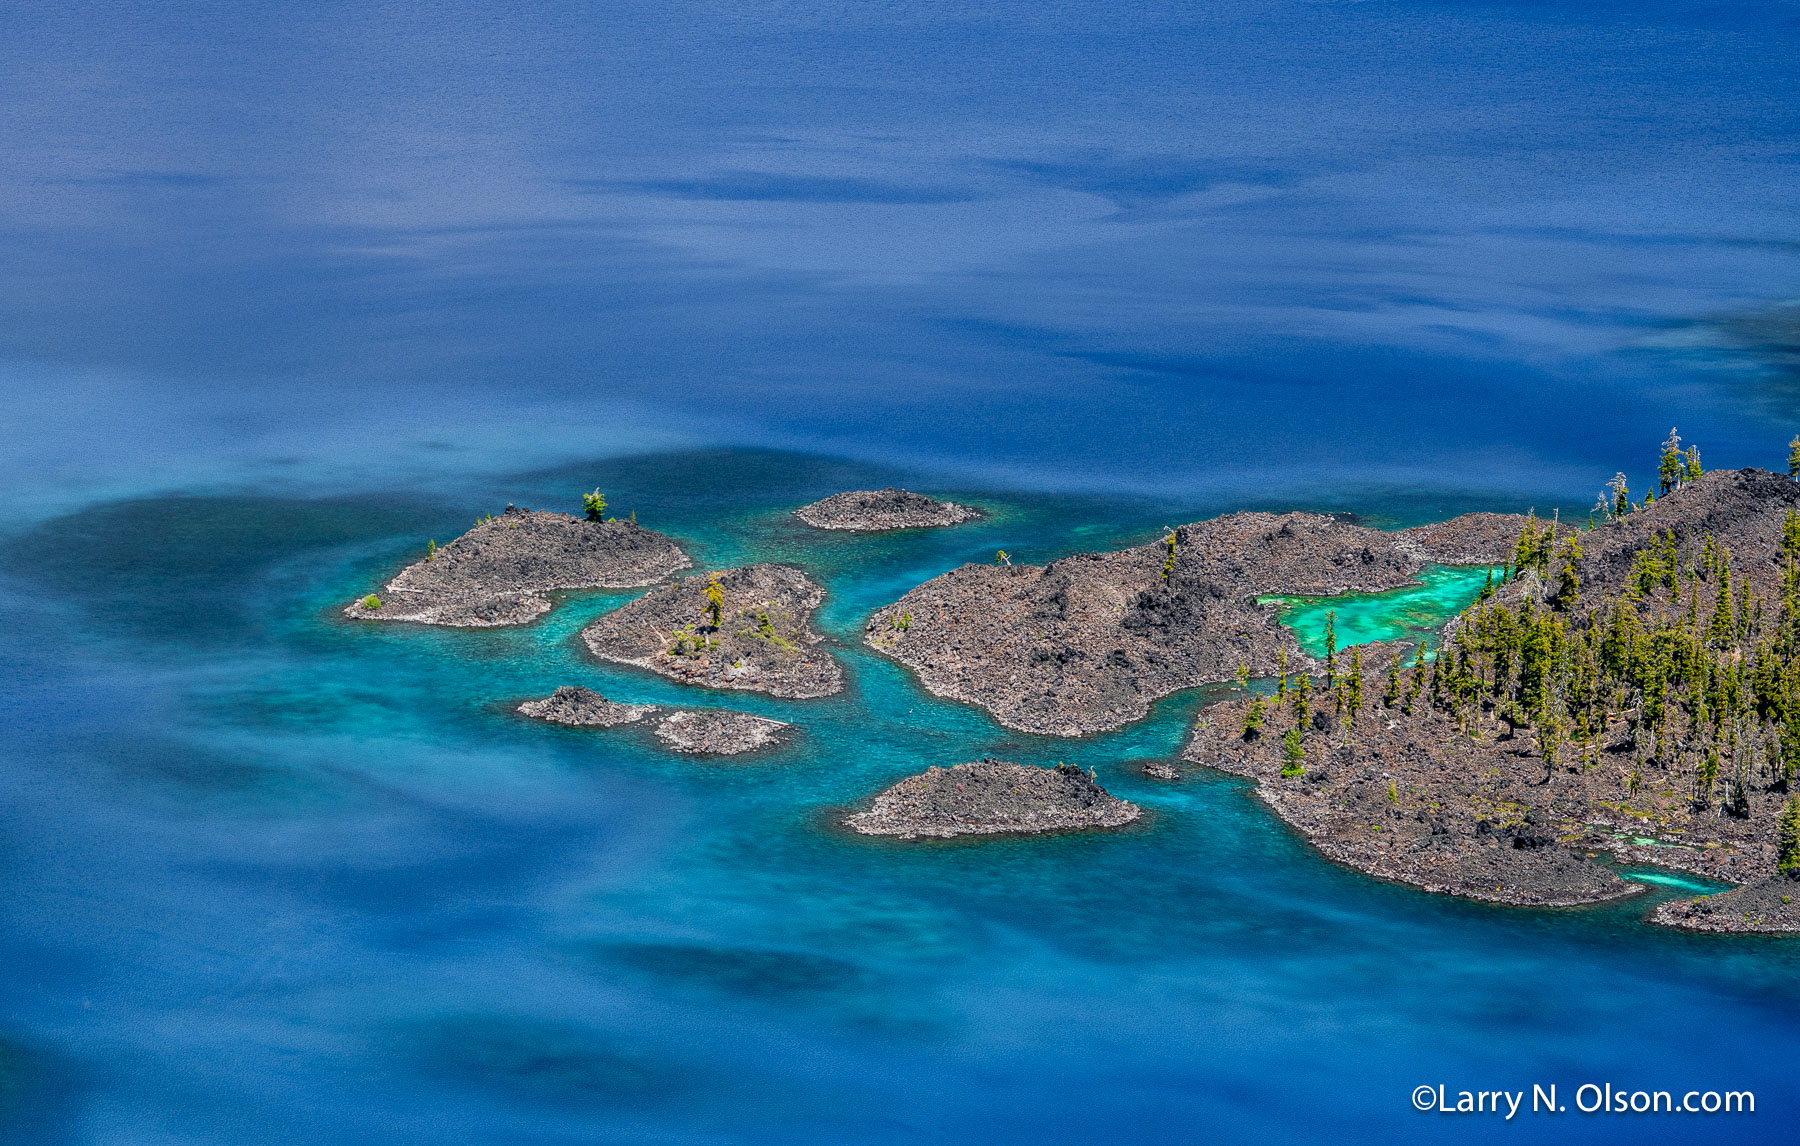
1412 613
277 876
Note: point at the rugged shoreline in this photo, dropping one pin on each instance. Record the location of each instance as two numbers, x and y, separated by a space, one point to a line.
1525 752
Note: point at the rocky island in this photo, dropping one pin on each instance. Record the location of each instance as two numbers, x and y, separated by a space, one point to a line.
876 510
992 797
709 732
1087 643
741 628
584 708
499 572
1627 693
718 732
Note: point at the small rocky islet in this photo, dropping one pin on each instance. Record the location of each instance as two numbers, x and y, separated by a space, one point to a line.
745 628
583 708
499 572
992 797
880 510
706 732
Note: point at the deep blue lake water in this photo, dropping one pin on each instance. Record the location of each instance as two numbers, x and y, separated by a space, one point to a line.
286 291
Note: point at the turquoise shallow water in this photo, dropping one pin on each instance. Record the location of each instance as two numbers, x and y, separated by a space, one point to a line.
1413 613
278 877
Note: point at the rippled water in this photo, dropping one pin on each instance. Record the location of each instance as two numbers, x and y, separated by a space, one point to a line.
274 876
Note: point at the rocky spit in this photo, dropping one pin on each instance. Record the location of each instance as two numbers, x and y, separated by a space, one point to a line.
992 797
499 572
1414 800
763 642
875 510
1768 905
1087 643
716 732
583 707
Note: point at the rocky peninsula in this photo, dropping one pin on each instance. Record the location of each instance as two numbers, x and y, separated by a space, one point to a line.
718 732
877 510
499 572
1087 643
992 797
743 628
583 707
1623 695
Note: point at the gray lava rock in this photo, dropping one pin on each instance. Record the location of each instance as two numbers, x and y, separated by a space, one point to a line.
762 643
498 572
575 705
1087 643
869 511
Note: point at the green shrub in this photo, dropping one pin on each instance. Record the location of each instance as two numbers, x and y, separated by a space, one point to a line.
371 602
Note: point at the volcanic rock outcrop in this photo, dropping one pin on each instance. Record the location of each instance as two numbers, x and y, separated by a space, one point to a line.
755 637
874 510
499 572
1086 643
583 707
992 797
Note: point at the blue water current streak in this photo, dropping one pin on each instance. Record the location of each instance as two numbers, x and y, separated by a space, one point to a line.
275 876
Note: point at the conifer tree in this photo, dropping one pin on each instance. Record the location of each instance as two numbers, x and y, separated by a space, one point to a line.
1330 648
1293 754
1693 463
1794 457
715 600
1253 719
1673 469
595 505
1787 839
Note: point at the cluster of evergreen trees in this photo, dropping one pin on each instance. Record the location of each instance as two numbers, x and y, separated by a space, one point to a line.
1702 673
